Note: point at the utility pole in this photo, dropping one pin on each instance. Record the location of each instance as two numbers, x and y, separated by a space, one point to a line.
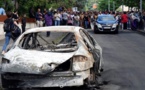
122 5
113 6
109 5
140 5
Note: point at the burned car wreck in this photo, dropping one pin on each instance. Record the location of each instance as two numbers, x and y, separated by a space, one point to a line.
68 57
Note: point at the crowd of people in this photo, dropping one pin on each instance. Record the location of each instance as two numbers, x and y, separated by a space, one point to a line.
56 18
132 20
128 20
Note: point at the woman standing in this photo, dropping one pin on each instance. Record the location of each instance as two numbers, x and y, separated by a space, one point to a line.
48 21
57 17
76 19
124 20
92 21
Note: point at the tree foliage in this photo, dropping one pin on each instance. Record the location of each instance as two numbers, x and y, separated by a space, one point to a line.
25 5
103 4
7 5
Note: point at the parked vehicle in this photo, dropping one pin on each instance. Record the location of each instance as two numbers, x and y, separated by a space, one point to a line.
68 57
106 23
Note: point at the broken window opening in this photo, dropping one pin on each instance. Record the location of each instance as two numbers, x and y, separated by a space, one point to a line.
57 42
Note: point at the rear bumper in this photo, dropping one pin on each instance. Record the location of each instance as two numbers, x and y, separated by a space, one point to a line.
10 81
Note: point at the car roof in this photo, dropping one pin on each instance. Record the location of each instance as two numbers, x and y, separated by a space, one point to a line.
54 28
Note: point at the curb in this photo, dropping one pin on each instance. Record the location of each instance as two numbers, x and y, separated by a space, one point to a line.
141 32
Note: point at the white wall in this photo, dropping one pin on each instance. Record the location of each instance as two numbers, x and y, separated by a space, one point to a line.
2 33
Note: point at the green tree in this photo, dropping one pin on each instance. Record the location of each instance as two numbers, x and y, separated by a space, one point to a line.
103 4
24 5
7 5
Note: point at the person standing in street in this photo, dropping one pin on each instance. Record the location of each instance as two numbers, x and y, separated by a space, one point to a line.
144 20
48 21
124 20
23 23
76 19
15 17
39 18
86 20
82 19
65 17
8 25
70 19
57 17
92 20
31 13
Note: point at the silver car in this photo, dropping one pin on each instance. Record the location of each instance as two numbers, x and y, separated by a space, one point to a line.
68 57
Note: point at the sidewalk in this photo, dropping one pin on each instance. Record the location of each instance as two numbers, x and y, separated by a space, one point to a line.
2 37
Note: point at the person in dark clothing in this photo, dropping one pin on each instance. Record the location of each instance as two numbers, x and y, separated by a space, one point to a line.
39 18
31 13
15 16
8 34
23 23
48 21
143 20
86 20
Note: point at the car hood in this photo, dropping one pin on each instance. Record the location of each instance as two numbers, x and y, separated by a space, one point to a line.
34 62
106 22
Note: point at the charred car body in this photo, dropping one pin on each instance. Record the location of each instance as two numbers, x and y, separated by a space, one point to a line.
68 57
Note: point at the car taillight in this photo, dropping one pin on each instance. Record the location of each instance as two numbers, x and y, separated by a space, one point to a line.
4 61
80 58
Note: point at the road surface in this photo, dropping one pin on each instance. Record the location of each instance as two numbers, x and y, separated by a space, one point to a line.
124 60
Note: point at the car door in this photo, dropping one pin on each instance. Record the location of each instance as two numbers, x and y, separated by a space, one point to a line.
97 50
92 49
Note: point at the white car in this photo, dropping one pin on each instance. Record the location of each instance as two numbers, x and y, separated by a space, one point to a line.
68 57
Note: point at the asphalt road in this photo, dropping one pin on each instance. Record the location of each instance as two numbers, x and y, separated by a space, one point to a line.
124 60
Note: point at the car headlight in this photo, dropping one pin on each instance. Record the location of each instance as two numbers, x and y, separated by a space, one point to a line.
99 25
115 25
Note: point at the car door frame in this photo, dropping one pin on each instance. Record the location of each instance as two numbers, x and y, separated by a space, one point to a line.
93 50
